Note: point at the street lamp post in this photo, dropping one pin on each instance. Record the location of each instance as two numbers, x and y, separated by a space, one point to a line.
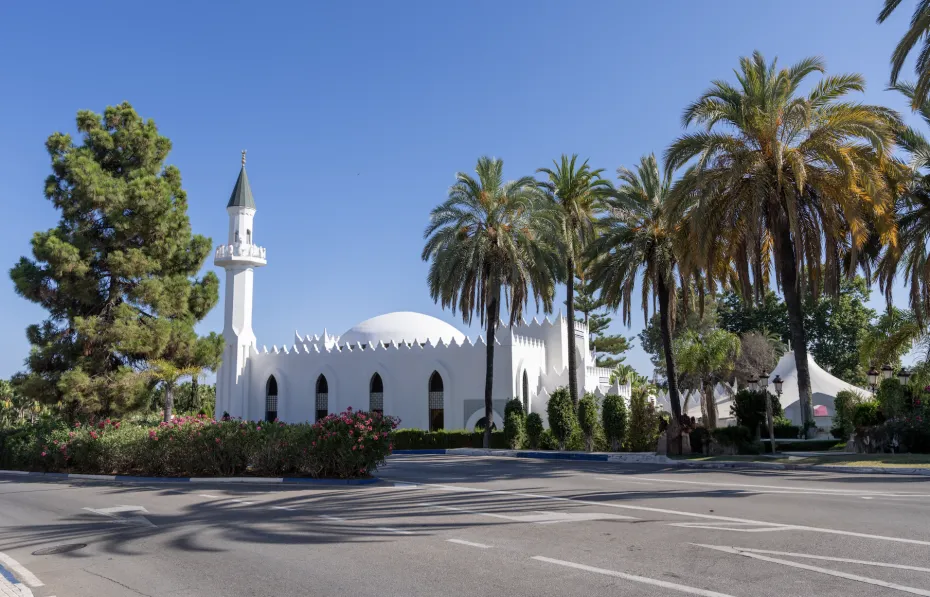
903 376
887 371
763 383
873 378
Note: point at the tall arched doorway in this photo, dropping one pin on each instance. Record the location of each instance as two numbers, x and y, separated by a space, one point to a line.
526 392
271 399
376 394
436 418
322 397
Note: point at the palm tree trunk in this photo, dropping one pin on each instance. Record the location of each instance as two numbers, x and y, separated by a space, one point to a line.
770 419
710 403
195 392
493 317
789 281
169 401
570 306
665 321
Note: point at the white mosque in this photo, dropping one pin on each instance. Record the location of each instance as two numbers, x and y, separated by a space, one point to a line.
409 365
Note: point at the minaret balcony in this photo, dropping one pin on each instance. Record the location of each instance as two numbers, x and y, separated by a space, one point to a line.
239 254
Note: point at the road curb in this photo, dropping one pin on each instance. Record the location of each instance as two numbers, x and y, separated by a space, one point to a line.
649 458
136 479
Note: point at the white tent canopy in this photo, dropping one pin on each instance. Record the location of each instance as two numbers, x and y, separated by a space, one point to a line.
824 388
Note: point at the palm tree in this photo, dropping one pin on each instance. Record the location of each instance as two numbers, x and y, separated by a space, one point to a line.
577 190
637 243
912 252
798 180
492 237
709 358
919 32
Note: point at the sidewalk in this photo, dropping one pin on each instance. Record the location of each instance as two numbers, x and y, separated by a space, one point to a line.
10 586
650 458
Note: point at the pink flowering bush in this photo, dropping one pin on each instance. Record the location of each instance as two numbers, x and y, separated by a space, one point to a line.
345 445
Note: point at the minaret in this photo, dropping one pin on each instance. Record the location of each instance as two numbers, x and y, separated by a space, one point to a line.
239 257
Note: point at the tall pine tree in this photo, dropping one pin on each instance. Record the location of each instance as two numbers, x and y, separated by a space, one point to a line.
117 275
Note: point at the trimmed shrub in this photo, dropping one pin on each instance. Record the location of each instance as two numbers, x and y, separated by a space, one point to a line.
562 419
783 430
514 424
700 437
867 414
614 420
444 439
739 438
350 444
892 398
749 409
534 430
810 445
588 419
644 423
843 404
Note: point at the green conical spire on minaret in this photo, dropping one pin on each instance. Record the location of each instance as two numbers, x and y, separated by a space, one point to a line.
242 193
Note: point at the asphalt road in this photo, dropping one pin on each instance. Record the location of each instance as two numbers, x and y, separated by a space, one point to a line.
445 525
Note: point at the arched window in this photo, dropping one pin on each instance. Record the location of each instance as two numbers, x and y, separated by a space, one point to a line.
435 402
376 394
526 393
322 397
271 399
248 237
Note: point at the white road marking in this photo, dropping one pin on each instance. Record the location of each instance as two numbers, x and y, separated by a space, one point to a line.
540 517
333 518
463 489
207 495
243 502
846 575
469 543
281 508
729 526
390 530
640 579
117 510
829 558
777 488
21 572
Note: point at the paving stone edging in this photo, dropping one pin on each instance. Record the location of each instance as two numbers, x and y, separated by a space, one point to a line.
135 479
650 458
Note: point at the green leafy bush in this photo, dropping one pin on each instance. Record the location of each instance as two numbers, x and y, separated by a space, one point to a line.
514 424
534 430
740 438
588 419
445 439
844 404
892 398
562 419
700 437
350 444
749 409
644 423
867 414
614 420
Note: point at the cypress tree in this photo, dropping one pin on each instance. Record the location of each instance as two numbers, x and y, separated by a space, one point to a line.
118 274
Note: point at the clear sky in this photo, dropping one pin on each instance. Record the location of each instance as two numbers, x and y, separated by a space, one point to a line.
356 116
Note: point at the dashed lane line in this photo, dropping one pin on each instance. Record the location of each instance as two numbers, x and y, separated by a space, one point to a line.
393 530
632 577
773 488
468 543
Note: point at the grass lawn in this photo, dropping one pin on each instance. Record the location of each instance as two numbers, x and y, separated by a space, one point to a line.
872 460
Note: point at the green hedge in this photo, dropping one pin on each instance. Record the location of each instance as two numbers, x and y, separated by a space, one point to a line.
819 445
782 432
350 444
419 439
739 437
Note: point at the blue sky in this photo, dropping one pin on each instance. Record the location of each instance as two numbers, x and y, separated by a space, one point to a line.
357 115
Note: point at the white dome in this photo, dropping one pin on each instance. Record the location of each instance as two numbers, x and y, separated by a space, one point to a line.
401 326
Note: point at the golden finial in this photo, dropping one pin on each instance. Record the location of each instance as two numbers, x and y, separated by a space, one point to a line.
243 157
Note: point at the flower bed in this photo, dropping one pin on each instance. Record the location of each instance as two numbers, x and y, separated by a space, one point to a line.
342 446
